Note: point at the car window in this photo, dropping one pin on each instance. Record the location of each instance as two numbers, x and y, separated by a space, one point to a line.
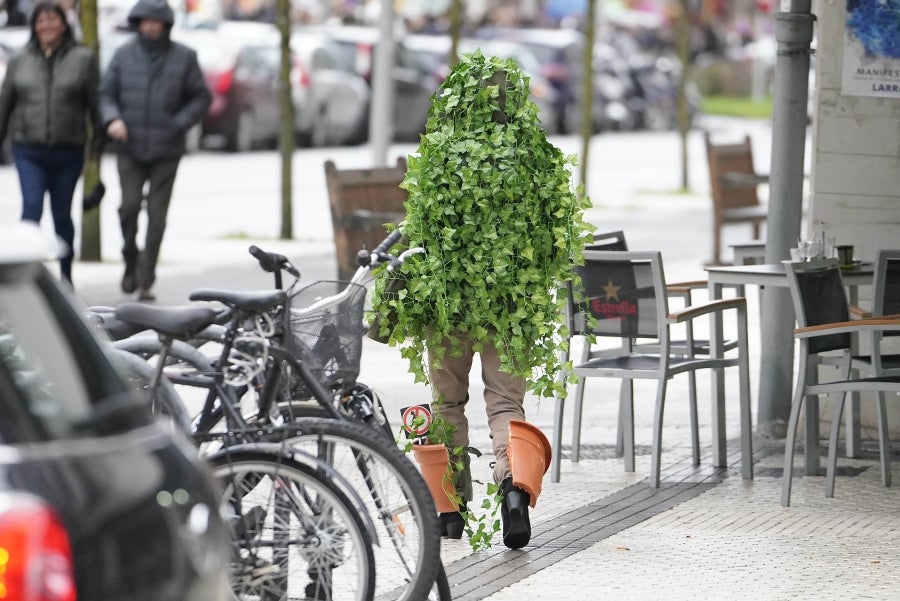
50 359
322 60
346 54
544 54
39 359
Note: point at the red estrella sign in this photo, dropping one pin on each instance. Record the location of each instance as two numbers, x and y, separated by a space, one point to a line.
608 310
410 415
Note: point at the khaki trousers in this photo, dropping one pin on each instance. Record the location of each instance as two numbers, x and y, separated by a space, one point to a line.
503 396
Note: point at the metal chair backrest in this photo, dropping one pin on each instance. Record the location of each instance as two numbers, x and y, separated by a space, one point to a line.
819 297
608 241
886 285
623 292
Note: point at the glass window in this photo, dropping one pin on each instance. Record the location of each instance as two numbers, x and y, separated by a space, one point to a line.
324 60
51 360
39 359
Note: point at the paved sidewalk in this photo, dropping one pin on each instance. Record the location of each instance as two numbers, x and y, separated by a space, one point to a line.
600 533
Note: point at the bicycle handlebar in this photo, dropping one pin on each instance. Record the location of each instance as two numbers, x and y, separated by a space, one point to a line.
365 258
392 239
273 262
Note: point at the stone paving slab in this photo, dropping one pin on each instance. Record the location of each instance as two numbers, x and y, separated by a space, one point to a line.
605 534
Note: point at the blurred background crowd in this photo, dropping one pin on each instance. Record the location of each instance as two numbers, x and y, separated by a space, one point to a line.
634 76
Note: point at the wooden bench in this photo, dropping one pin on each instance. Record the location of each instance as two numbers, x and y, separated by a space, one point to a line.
362 202
733 183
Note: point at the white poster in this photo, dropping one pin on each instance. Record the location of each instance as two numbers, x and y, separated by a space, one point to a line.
872 49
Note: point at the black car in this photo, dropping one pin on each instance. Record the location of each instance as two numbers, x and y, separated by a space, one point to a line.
98 500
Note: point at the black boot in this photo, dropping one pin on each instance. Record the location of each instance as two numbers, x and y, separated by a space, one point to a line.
452 523
514 512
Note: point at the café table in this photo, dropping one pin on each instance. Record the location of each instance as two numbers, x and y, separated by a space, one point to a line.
773 274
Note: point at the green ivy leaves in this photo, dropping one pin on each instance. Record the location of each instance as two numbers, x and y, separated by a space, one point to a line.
492 203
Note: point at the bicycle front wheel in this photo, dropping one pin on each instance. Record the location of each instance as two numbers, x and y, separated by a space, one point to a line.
396 497
294 535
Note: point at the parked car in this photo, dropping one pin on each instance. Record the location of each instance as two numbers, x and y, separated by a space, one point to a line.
542 92
416 73
98 499
240 62
560 54
420 66
330 99
420 69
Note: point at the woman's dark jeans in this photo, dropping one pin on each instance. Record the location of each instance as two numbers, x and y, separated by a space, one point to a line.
53 169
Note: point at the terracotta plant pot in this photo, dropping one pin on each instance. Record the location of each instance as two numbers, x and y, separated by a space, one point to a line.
433 460
529 454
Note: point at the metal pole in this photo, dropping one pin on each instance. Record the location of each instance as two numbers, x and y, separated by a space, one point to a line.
793 32
381 113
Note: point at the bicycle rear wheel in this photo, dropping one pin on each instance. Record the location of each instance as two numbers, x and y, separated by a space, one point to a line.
295 535
407 555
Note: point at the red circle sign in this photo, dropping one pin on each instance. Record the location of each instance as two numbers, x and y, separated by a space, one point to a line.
410 414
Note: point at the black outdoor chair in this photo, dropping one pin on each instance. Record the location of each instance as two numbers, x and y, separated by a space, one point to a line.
622 296
825 331
687 346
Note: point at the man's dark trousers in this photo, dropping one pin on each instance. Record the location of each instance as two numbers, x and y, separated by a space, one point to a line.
133 175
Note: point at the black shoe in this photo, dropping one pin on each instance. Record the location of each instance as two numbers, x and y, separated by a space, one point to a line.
514 513
453 523
129 283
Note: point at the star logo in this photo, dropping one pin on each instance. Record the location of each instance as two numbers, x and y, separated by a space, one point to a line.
611 290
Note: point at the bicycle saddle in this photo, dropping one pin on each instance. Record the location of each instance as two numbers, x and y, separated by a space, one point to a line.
241 299
177 322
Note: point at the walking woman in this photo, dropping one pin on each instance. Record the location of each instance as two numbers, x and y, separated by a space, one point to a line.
47 101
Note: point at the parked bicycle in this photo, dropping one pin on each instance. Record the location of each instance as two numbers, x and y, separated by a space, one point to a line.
283 346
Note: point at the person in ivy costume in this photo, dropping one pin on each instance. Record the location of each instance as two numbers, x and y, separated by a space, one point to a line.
492 203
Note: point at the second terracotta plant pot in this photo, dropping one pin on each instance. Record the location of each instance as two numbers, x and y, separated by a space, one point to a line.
433 460
529 454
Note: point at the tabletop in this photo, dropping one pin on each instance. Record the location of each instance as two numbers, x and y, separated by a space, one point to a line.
773 274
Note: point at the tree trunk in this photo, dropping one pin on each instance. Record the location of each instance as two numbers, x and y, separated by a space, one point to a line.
683 45
587 94
90 220
286 141
456 19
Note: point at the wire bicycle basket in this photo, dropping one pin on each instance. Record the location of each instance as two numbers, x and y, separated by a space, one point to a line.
327 337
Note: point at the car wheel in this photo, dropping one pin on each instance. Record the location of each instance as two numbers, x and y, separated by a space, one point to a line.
242 138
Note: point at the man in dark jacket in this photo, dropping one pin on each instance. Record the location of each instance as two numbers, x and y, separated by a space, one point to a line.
152 93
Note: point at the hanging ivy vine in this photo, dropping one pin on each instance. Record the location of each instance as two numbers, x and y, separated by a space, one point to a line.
492 202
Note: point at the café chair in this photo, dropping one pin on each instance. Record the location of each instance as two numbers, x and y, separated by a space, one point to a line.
885 304
733 183
824 333
621 297
688 346
613 240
